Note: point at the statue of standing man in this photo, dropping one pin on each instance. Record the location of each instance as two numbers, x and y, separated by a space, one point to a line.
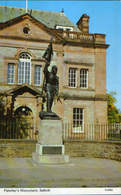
51 80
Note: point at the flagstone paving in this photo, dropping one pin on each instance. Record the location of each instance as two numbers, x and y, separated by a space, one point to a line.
79 172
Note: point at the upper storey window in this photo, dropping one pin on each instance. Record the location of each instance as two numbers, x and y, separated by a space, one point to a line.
72 77
76 80
84 78
37 75
24 69
10 73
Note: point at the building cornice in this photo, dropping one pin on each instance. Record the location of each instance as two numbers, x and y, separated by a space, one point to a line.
87 44
77 63
29 39
85 98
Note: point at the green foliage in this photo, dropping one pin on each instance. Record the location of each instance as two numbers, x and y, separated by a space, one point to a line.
114 114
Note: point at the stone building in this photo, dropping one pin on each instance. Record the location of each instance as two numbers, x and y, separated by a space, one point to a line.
79 56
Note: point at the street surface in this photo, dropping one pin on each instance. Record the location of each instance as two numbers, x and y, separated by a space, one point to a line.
79 172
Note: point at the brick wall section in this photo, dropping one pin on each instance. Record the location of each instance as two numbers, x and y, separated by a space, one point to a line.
16 148
108 150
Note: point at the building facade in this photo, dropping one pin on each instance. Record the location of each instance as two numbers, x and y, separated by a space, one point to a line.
79 55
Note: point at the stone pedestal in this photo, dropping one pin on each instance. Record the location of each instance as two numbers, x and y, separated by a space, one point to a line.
50 148
50 132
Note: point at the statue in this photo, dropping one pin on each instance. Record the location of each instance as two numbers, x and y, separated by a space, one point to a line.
51 85
51 82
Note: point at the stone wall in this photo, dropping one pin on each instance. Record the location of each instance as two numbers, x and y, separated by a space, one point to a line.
93 149
108 149
16 148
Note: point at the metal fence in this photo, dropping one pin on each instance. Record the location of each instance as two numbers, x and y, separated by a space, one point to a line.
92 132
15 128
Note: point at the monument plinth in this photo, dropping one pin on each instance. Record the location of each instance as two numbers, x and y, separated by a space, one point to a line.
50 148
50 132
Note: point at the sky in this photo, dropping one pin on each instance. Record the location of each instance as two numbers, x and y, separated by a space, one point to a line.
105 18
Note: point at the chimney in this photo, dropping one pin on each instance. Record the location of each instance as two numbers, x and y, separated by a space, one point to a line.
83 23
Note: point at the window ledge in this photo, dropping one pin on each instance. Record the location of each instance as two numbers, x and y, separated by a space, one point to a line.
11 83
37 85
79 132
78 88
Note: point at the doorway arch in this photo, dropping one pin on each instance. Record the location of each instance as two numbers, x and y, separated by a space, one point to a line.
24 122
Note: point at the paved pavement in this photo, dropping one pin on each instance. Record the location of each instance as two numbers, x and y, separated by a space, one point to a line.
79 172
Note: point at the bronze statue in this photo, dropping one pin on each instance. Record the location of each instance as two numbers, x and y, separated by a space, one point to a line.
51 80
51 85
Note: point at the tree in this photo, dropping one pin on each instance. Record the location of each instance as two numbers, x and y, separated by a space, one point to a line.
114 114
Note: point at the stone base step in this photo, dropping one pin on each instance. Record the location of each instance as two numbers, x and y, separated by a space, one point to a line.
50 159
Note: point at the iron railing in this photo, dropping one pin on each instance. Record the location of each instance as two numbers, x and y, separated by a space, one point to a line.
14 128
92 132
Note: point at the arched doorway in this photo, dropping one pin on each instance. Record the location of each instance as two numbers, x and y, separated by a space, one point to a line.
24 122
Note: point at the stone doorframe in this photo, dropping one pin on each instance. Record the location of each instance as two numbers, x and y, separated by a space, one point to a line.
13 94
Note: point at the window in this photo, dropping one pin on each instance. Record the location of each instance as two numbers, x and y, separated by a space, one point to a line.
10 73
68 28
37 75
26 30
24 69
84 78
78 120
72 77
